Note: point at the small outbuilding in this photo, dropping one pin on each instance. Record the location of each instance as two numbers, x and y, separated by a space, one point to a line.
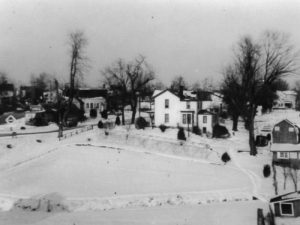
286 132
286 205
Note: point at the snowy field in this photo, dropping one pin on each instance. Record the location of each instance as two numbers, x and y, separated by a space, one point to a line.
134 177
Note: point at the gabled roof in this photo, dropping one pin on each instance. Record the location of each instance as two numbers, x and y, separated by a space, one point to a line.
288 121
286 197
162 92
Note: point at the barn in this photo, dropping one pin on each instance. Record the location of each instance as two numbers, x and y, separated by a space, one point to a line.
286 205
286 132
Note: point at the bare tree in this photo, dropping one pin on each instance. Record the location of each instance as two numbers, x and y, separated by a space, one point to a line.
127 81
78 43
115 77
259 65
139 74
177 82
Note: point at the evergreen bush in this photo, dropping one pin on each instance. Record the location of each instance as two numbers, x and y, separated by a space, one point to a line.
267 170
100 124
162 127
118 121
93 113
181 134
225 157
140 123
196 130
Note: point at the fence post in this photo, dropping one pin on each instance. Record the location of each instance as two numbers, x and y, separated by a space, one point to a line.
260 217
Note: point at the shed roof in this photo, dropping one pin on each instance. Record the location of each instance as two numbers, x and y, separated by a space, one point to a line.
286 197
285 147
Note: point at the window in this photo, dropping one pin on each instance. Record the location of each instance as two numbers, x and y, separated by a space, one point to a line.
92 106
291 129
184 118
87 105
97 106
188 105
204 119
283 155
286 209
166 103
166 118
293 155
277 128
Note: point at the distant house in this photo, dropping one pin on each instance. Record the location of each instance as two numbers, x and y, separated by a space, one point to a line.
31 94
286 205
286 100
206 121
92 98
50 96
286 146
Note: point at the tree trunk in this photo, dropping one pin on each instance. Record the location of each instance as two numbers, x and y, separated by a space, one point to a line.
123 116
275 183
253 150
235 120
133 113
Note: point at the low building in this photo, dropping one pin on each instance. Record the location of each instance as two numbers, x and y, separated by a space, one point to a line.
206 121
285 100
286 205
285 132
7 93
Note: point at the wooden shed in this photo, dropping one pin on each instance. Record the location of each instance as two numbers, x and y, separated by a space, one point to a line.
286 205
285 132
286 155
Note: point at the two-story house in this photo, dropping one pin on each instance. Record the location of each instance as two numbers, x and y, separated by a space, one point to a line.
185 109
286 143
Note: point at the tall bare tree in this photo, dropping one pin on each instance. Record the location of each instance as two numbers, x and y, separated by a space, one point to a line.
78 43
127 81
178 82
260 64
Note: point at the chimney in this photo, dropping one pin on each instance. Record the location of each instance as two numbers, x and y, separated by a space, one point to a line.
181 92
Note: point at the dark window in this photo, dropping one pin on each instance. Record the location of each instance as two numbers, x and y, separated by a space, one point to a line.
87 105
166 103
286 209
184 118
166 118
189 118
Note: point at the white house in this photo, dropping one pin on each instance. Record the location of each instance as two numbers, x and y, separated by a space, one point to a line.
286 100
173 111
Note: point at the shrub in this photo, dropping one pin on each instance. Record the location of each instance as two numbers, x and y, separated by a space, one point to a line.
23 128
196 130
140 123
118 121
93 113
267 170
106 133
181 134
162 127
220 132
225 157
9 146
39 141
104 114
100 124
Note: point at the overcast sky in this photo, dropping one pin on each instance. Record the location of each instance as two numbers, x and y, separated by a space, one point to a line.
193 38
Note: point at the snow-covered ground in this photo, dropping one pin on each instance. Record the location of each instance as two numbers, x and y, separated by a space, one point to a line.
134 177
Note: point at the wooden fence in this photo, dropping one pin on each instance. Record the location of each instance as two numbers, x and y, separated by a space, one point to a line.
75 132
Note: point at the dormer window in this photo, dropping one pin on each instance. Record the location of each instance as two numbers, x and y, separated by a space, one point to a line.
166 103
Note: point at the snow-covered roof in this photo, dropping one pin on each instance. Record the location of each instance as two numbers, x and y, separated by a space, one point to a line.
286 197
285 147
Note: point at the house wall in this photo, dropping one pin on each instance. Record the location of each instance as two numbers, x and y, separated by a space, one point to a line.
210 122
173 110
183 107
284 135
296 206
292 161
98 103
